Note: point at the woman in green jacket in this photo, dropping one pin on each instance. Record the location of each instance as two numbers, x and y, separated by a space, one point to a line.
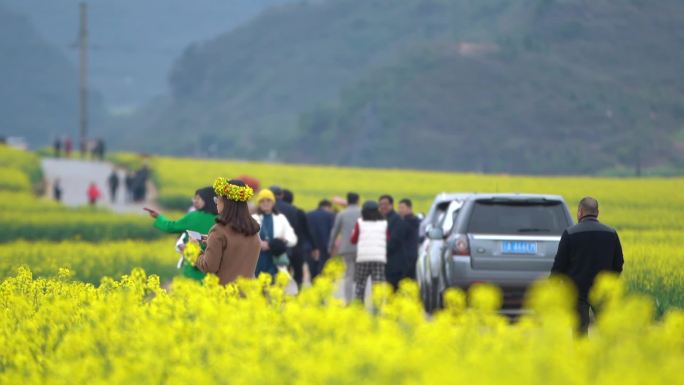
201 219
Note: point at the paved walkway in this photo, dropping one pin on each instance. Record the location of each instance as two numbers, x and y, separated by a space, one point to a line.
76 175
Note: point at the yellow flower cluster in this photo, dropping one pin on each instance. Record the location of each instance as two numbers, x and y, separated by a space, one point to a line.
233 192
192 251
89 262
57 331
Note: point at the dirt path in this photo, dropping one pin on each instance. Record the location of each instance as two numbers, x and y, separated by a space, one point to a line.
75 176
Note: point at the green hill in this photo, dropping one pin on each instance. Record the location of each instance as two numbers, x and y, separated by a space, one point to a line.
535 86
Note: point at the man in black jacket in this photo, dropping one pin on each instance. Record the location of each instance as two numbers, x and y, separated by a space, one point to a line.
396 268
412 224
320 223
300 224
585 250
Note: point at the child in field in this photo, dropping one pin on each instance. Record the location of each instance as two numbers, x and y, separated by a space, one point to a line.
370 235
93 193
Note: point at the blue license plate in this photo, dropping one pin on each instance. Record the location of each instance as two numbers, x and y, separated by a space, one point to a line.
518 247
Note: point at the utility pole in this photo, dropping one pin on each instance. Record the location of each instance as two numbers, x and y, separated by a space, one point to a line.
83 82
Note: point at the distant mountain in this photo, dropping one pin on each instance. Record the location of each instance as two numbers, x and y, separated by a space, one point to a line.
581 87
538 86
243 92
134 43
38 85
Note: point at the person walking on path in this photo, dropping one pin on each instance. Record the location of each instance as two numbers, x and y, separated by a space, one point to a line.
412 225
57 147
93 193
140 183
343 228
276 234
129 180
585 250
113 182
233 244
321 222
57 190
397 261
99 148
305 241
68 147
200 220
370 235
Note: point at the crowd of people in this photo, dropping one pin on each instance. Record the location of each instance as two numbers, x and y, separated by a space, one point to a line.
94 148
134 183
376 242
373 239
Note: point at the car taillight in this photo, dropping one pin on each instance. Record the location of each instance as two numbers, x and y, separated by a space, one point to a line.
461 246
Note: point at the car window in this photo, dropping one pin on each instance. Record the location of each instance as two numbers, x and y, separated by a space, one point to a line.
518 217
440 210
450 216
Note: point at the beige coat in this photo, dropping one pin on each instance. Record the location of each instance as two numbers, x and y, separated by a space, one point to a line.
229 254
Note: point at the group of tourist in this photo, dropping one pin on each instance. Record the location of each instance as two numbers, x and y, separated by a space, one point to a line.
374 240
133 182
64 147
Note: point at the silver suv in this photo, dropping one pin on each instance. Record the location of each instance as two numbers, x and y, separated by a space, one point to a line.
509 240
441 215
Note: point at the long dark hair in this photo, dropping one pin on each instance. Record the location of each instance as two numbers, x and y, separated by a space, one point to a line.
236 215
371 214
207 194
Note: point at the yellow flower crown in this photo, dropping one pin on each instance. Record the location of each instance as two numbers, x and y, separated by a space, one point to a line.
233 192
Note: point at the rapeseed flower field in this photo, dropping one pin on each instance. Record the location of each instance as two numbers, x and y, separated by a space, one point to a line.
131 331
647 212
87 296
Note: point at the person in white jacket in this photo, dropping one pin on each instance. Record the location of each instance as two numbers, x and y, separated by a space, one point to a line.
370 236
276 233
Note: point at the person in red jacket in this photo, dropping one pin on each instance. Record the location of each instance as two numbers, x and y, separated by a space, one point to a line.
94 193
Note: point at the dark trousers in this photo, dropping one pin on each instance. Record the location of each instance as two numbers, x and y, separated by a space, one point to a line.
411 268
583 313
393 278
316 267
297 265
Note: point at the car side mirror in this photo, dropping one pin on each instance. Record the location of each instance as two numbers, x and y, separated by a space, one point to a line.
436 233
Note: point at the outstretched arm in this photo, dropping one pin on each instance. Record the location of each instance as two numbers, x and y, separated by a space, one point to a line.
170 226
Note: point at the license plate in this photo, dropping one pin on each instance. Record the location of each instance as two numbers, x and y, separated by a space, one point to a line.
518 247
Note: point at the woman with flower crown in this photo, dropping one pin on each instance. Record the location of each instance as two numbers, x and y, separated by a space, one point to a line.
233 243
